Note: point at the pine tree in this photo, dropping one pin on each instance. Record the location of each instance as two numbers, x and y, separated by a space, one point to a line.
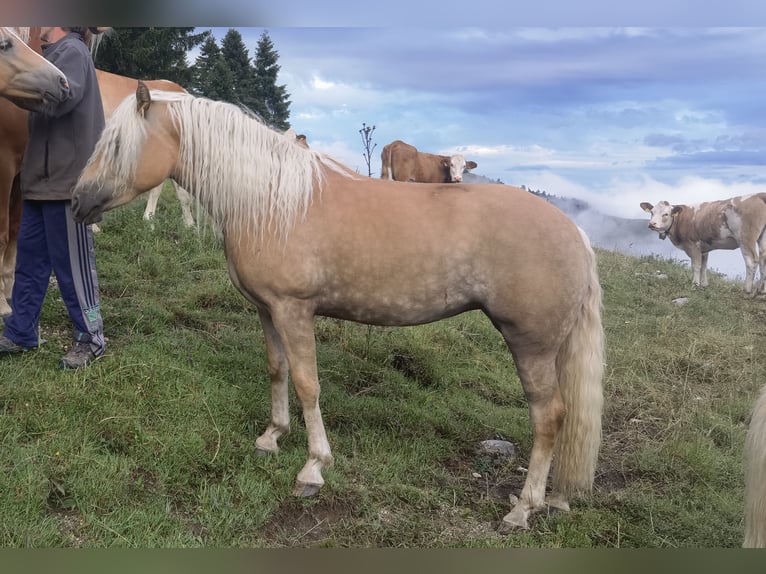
149 53
235 54
270 100
213 77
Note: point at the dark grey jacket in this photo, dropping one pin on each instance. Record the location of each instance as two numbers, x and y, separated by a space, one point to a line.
61 139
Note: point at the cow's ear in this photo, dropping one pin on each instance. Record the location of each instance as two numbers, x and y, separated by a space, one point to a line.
675 210
445 162
647 207
471 164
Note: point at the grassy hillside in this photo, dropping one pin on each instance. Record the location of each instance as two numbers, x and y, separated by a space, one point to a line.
153 446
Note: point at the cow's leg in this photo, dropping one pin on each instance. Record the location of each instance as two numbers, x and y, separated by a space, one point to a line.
761 288
696 256
703 269
750 257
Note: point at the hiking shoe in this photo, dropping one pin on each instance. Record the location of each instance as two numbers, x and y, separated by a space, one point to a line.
8 347
80 355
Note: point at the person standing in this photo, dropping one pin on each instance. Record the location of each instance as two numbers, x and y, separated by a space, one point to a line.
61 139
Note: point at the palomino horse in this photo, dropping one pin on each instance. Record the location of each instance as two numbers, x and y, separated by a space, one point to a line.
755 477
31 81
13 139
114 89
25 76
305 236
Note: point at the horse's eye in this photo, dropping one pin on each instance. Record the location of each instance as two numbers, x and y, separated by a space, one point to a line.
5 44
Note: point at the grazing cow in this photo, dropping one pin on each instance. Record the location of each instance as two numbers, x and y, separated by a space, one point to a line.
403 162
724 224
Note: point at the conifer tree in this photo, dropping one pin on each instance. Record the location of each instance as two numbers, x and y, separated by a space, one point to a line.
235 54
149 53
212 76
271 101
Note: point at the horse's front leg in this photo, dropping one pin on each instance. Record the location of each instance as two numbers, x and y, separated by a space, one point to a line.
278 373
294 321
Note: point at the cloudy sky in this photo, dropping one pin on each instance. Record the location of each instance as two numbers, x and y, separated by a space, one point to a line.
612 115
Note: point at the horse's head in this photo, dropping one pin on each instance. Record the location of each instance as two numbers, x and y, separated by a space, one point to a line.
137 151
26 78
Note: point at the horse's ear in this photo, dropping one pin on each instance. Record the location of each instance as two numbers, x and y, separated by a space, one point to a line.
143 99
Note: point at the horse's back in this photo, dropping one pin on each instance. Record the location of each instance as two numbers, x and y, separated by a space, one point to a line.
115 88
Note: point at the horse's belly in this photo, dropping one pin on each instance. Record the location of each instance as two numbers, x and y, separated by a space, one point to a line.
394 309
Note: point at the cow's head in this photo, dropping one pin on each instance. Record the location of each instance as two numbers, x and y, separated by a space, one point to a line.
457 165
662 216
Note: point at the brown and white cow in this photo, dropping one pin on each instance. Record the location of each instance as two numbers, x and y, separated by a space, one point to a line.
300 139
724 224
403 162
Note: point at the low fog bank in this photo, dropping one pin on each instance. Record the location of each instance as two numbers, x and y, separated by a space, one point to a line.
631 236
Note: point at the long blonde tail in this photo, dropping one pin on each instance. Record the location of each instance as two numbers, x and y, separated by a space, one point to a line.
580 367
755 477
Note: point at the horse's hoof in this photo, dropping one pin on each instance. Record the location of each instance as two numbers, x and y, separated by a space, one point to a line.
306 490
513 521
262 452
557 503
506 527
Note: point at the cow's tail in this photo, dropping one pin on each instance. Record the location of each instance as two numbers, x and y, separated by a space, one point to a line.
755 477
580 368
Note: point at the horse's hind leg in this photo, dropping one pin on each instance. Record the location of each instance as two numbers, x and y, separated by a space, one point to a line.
151 203
184 198
278 372
538 378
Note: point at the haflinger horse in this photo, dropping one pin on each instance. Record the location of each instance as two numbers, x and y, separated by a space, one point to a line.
305 236
25 76
115 88
31 81
755 476
13 139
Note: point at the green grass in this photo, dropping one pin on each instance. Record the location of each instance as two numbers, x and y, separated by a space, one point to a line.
153 446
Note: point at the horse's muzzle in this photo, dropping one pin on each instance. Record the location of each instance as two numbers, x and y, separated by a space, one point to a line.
87 206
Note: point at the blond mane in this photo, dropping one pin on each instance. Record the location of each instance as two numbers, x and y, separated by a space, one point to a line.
21 33
244 173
